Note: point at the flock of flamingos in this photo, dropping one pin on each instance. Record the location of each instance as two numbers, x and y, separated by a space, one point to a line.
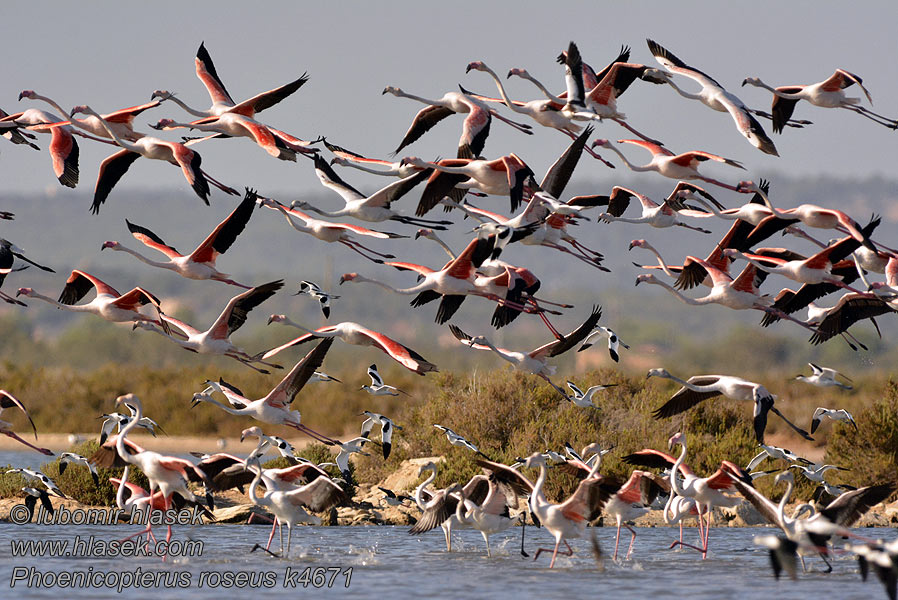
731 272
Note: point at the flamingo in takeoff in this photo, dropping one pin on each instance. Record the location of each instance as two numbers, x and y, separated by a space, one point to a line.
221 99
476 126
199 264
829 93
115 166
675 166
358 335
274 407
331 232
107 304
7 400
216 339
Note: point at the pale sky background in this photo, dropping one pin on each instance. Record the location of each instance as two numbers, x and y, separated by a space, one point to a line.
112 54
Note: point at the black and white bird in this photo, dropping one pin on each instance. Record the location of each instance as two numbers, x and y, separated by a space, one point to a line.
76 459
457 440
824 377
8 253
614 342
816 472
353 446
31 497
775 453
31 476
835 415
268 442
584 399
116 421
307 288
320 376
386 430
783 554
394 499
883 558
378 387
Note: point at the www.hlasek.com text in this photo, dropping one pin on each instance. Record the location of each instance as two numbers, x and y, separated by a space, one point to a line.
93 547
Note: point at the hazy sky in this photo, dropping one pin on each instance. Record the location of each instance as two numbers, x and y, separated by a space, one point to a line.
112 55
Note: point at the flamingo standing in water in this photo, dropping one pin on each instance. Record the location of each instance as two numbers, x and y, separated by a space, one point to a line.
7 400
715 96
826 94
707 491
566 520
274 407
331 232
107 304
115 166
358 335
221 99
216 339
675 166
199 264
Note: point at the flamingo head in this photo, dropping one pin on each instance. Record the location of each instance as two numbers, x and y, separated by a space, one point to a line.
593 448
655 76
163 94
428 466
80 109
535 460
424 232
299 204
110 245
24 292
277 319
601 143
645 278
657 373
476 65
518 72
731 252
747 186
410 160
784 476
348 277
391 90
638 244
129 399
163 124
27 94
751 81
677 438
251 431
339 160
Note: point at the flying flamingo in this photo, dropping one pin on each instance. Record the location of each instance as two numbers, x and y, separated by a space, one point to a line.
7 400
13 132
826 94
63 147
216 339
850 309
476 126
331 232
679 166
221 99
358 335
707 491
704 387
231 124
199 264
503 176
374 208
535 361
167 473
490 515
274 407
107 304
716 97
657 215
566 520
121 121
115 166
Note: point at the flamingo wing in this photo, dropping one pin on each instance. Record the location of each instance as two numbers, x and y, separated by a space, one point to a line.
426 118
474 132
506 476
655 459
64 152
670 62
764 505
126 116
112 169
190 162
748 279
329 179
559 174
782 108
284 393
235 313
401 354
148 238
396 190
843 79
7 400
260 102
586 503
850 310
205 71
226 232
566 342
406 266
851 506
440 185
136 298
685 398
79 283
655 149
